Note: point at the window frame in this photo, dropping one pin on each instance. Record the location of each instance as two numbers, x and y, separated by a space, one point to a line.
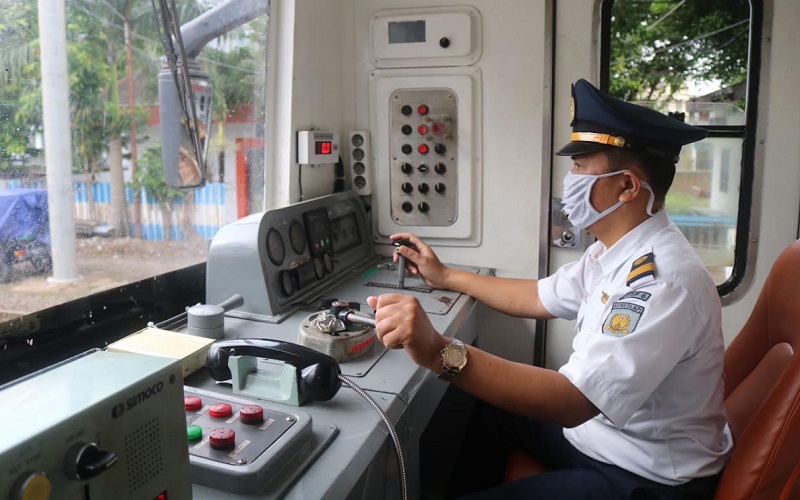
746 132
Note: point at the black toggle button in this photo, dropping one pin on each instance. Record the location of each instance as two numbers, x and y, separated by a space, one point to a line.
407 206
406 110
423 207
406 149
423 169
406 129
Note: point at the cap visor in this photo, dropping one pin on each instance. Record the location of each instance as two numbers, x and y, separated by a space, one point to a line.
579 148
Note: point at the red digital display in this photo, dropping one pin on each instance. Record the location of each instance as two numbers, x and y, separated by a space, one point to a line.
323 147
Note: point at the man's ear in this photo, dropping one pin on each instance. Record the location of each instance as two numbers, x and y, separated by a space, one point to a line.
632 185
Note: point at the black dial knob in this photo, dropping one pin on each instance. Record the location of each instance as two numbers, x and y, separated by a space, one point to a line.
444 42
407 206
440 149
89 461
406 149
440 168
439 188
406 168
407 187
406 129
423 188
423 207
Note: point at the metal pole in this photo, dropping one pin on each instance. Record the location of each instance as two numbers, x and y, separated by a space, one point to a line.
57 146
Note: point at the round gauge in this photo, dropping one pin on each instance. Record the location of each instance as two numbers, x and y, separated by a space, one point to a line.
287 283
297 237
275 247
319 268
327 259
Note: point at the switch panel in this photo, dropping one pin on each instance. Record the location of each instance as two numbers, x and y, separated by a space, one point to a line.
424 148
426 126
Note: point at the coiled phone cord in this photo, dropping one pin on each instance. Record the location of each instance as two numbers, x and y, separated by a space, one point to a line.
395 439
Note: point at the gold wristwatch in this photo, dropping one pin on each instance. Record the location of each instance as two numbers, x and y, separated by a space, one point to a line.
454 359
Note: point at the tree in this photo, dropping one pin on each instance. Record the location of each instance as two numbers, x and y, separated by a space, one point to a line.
658 45
18 58
150 177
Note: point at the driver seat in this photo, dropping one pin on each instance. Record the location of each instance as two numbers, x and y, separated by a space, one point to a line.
762 395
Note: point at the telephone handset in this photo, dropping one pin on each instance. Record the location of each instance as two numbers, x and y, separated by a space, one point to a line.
317 373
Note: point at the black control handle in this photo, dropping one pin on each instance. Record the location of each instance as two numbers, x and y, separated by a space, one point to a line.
317 373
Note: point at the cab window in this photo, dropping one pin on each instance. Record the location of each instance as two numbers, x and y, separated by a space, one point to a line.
128 224
695 60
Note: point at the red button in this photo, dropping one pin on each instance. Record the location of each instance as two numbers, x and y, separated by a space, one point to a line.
251 414
220 410
422 109
423 149
222 439
422 129
192 403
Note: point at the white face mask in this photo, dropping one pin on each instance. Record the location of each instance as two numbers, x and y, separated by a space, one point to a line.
577 204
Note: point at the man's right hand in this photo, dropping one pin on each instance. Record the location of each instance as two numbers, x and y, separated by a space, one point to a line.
421 261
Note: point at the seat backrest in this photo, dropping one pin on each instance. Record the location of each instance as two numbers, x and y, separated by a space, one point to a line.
762 391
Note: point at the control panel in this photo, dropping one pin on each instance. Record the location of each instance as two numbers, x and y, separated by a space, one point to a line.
97 426
426 124
297 251
424 148
232 441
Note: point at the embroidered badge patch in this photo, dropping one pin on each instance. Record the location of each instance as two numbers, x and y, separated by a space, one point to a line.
643 267
622 319
643 296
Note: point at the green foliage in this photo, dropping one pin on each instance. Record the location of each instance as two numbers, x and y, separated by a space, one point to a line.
150 176
658 45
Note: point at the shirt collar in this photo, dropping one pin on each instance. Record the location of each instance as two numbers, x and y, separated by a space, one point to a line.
623 249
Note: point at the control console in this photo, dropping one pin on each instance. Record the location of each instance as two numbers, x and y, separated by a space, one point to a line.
296 251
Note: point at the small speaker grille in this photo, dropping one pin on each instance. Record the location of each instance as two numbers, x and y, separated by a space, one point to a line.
143 450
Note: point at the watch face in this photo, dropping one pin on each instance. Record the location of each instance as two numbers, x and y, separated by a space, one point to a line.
454 357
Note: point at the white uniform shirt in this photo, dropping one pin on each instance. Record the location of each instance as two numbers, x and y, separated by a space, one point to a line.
648 353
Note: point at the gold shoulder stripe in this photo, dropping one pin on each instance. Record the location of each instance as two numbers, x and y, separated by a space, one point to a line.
642 267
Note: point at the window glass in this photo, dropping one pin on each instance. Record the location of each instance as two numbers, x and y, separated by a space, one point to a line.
691 58
128 224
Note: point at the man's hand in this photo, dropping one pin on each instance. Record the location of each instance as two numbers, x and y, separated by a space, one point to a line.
400 322
421 261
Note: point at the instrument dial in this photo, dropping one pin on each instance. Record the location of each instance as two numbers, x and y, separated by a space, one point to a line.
297 237
276 250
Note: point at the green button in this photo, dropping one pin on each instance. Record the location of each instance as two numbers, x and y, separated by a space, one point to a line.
194 432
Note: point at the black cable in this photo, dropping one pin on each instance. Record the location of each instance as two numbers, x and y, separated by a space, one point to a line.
338 183
300 180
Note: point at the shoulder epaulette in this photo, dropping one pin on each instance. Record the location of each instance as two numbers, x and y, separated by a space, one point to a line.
642 267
